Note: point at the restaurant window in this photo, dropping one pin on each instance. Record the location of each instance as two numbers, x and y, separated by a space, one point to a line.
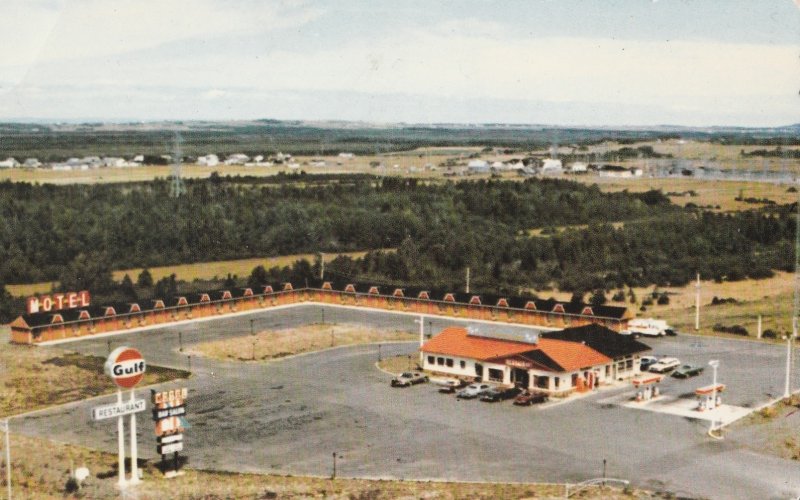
495 375
439 361
431 360
629 363
556 382
463 364
449 362
543 382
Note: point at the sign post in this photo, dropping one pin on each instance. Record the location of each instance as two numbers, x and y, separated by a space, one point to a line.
126 367
169 409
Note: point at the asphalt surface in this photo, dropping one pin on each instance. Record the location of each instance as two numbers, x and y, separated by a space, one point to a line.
290 416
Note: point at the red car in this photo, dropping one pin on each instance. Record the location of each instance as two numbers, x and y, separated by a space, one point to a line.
528 398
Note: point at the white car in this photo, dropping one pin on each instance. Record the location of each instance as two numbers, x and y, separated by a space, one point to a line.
473 391
664 365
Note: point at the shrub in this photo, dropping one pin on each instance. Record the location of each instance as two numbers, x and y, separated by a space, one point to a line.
769 334
663 299
734 329
619 296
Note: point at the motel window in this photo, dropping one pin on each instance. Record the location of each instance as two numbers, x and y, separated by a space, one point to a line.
556 382
431 360
543 382
439 361
629 363
449 362
621 366
574 379
495 375
463 364
608 371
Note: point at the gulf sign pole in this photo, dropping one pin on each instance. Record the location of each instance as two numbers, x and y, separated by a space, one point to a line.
126 367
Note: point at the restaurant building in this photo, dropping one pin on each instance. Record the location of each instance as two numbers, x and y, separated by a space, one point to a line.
557 363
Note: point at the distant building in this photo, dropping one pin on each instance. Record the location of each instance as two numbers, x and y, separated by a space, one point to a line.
552 167
210 160
478 167
138 159
578 167
619 172
237 159
9 163
32 163
110 161
346 155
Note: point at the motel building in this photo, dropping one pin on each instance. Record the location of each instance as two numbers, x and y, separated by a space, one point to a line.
557 363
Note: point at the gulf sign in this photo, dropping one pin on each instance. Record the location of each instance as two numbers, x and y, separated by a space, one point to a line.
58 301
125 366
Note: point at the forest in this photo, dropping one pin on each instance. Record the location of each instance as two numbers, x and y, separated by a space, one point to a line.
77 234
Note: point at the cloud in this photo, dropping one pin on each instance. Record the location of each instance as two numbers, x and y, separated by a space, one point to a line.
90 28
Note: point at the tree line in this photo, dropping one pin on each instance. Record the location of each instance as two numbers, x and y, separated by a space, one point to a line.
76 235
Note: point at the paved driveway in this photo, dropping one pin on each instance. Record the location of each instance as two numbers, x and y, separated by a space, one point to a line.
289 416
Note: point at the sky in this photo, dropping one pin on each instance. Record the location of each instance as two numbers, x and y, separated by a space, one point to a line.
556 62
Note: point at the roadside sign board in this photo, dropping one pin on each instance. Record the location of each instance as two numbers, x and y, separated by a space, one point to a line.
159 413
125 366
169 448
118 409
173 438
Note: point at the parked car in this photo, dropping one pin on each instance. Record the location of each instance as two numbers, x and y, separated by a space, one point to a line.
664 365
448 385
646 362
686 371
406 379
473 391
528 398
500 394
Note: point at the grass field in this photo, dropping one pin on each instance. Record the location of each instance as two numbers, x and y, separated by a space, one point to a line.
40 470
272 344
190 272
722 193
34 377
399 364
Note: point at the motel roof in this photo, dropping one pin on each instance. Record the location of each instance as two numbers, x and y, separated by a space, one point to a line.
614 313
601 339
551 354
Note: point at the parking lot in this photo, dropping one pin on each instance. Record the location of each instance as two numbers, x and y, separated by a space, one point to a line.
289 416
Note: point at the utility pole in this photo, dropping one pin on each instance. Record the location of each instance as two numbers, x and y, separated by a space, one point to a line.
421 322
7 429
714 363
796 309
467 291
697 304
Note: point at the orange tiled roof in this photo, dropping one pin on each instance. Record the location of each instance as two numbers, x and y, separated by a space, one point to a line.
571 356
456 341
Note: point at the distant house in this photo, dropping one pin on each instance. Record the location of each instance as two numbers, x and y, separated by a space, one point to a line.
32 163
478 167
237 159
619 172
552 167
111 161
499 165
9 163
138 159
347 156
578 167
210 160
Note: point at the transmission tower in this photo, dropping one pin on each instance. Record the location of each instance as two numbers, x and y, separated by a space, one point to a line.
177 188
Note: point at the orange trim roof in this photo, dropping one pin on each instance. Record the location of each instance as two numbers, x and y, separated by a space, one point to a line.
456 341
572 356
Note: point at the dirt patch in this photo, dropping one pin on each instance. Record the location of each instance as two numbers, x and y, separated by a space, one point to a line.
34 377
273 344
399 364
